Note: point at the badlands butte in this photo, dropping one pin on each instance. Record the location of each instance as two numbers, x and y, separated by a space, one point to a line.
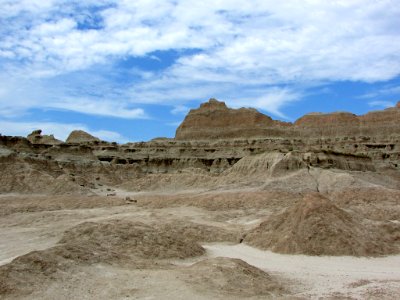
236 206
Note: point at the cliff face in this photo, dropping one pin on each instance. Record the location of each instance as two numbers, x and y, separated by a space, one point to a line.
214 120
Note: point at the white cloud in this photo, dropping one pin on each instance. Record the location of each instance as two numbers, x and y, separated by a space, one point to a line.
110 136
383 92
180 110
64 93
60 130
272 101
315 39
382 104
101 108
246 50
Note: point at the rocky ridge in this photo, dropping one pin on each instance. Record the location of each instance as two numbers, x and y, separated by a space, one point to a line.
212 138
214 120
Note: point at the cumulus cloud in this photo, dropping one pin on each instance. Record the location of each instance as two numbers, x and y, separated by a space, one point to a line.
243 51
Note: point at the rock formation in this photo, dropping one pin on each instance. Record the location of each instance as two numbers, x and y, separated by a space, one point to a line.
211 140
36 137
80 136
214 120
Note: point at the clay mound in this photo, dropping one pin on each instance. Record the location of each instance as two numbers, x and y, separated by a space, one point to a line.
116 242
80 136
125 238
31 272
315 226
231 276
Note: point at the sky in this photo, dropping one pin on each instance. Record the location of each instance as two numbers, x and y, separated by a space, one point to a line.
130 70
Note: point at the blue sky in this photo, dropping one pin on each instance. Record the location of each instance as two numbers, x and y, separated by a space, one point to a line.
130 70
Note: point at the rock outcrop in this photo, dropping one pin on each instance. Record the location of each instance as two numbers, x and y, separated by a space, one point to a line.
36 137
80 136
214 120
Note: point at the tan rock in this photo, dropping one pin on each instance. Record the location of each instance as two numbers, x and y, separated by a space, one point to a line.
36 137
333 124
214 120
80 136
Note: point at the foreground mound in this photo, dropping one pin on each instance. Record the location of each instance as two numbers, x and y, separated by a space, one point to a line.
231 276
115 242
315 226
119 238
31 272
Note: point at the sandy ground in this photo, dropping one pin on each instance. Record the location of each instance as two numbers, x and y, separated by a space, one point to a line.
324 276
305 277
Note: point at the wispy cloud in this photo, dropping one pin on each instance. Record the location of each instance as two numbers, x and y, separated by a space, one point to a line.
92 96
180 110
100 108
381 104
383 92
